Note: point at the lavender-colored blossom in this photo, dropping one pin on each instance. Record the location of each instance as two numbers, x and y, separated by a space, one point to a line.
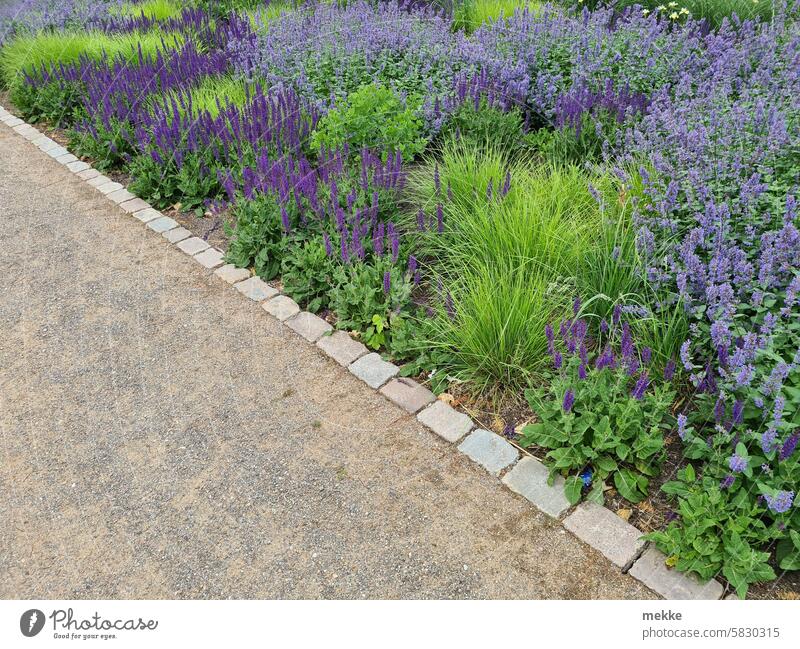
569 400
781 502
737 463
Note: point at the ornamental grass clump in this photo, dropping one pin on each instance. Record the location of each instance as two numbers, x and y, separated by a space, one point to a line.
603 411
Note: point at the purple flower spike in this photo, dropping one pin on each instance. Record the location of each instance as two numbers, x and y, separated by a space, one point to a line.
669 370
641 387
387 282
727 482
788 447
328 247
682 421
557 360
569 400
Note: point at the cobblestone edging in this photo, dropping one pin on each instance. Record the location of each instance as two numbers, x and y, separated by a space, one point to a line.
597 526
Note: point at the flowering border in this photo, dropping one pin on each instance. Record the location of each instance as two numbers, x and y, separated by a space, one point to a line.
517 469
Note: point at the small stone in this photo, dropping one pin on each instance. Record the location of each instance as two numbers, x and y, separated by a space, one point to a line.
210 258
45 143
132 205
489 450
162 224
193 246
99 181
408 394
148 214
308 325
342 348
176 235
651 570
66 158
109 188
13 121
231 273
529 479
281 307
606 532
56 152
373 370
78 166
256 289
445 421
88 174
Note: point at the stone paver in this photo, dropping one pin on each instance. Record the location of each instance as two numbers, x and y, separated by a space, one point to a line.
489 450
120 196
13 121
99 181
308 325
66 158
210 258
148 215
162 224
45 143
109 188
193 245
281 307
342 348
88 174
528 478
407 393
373 370
176 235
605 532
56 152
671 584
134 205
445 421
231 273
78 166
256 289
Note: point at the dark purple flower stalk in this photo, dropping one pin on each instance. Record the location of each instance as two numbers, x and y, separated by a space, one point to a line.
569 400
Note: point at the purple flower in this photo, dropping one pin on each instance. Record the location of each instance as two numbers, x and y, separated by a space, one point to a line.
727 482
737 463
788 446
641 387
582 372
557 360
569 400
781 502
669 370
387 282
682 421
768 440
738 412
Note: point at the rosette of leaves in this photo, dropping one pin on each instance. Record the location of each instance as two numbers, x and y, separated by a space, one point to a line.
601 420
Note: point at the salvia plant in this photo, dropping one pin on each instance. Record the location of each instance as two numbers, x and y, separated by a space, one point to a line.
602 415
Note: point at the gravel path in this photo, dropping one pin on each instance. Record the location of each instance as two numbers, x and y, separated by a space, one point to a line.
163 437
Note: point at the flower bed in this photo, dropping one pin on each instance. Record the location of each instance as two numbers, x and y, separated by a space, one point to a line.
586 219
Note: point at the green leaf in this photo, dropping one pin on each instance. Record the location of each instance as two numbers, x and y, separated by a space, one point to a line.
628 483
788 552
572 489
606 463
596 495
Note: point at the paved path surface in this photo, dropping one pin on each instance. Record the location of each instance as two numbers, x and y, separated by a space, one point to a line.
163 437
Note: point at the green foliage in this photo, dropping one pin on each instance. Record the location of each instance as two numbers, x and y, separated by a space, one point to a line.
716 533
713 11
58 102
468 15
154 9
259 238
211 95
28 53
374 117
360 303
509 259
607 434
307 273
487 126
